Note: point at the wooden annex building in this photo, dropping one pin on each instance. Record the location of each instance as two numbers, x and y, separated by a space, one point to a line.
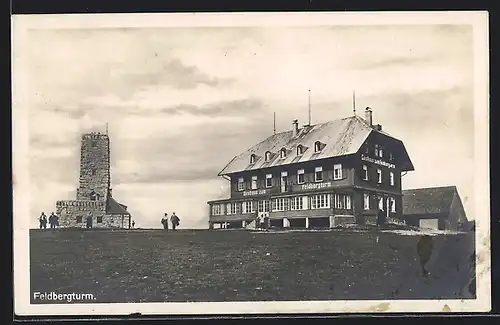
317 175
438 208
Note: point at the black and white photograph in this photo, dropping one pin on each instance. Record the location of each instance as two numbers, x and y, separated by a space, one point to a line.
251 163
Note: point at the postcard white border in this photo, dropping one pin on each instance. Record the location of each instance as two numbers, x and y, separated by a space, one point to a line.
22 23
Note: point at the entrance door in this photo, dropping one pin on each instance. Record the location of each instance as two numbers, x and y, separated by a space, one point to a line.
89 222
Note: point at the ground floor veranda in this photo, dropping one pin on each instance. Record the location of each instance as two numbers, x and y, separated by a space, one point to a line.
308 210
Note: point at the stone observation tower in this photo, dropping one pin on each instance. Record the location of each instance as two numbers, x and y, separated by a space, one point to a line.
94 190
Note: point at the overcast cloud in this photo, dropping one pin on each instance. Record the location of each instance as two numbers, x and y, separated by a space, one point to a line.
181 103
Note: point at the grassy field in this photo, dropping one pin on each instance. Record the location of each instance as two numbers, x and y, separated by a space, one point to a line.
157 266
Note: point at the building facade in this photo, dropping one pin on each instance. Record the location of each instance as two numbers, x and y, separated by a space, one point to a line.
320 175
94 194
437 208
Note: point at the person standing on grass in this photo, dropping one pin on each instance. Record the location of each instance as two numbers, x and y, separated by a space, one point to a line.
52 221
164 221
43 221
380 218
175 221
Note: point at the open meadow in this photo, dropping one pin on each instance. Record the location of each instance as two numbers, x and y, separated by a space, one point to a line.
238 265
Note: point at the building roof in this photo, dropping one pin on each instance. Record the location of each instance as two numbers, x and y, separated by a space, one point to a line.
432 200
113 207
338 138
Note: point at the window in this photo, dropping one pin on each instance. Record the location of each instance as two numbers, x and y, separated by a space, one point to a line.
342 201
366 201
252 159
392 178
269 180
381 203
94 144
94 170
320 201
79 219
254 182
391 156
233 208
249 207
300 176
94 196
283 153
99 219
268 156
318 174
378 151
317 146
241 184
392 204
284 181
216 209
365 172
337 171
263 206
300 150
280 204
379 175
297 203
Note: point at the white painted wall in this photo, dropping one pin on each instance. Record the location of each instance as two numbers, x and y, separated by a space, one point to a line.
429 224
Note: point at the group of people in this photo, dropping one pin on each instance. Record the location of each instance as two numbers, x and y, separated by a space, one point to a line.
174 219
53 221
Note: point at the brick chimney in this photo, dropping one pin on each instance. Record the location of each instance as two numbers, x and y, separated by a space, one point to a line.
368 116
295 128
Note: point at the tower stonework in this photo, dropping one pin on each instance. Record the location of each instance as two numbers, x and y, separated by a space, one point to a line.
94 191
95 174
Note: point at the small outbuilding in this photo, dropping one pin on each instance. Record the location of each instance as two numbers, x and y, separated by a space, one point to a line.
438 208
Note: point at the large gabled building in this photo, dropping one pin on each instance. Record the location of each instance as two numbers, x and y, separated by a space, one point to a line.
317 175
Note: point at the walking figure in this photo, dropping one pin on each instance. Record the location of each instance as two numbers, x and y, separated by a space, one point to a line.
175 221
43 221
53 221
133 223
380 218
164 221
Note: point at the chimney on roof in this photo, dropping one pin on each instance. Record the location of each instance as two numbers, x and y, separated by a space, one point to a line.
378 127
368 116
295 128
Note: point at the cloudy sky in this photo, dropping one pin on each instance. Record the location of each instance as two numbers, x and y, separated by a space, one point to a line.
181 103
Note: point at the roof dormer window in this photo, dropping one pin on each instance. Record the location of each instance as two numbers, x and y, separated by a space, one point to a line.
283 153
268 156
252 159
317 146
300 150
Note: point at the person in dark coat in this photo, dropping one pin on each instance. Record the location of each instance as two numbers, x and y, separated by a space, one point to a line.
175 221
52 221
380 218
43 221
